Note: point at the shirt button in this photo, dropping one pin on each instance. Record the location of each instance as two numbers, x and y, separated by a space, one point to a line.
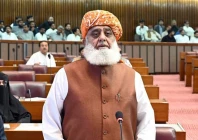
104 101
104 86
105 132
105 116
103 72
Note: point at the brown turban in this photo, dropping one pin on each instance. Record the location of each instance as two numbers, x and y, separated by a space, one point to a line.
101 18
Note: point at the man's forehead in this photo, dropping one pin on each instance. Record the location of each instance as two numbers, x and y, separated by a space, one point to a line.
100 27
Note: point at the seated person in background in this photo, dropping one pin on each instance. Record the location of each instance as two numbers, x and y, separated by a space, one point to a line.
41 34
189 30
166 31
26 34
194 39
81 51
16 21
47 24
160 28
169 37
58 35
19 28
2 26
174 26
68 29
151 35
182 38
42 57
8 35
2 133
141 29
51 30
33 28
29 19
75 36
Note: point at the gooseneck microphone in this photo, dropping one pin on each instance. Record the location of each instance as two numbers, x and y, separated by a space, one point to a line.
13 50
49 56
119 118
29 92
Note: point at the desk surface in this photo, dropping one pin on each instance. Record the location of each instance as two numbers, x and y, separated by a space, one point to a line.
32 131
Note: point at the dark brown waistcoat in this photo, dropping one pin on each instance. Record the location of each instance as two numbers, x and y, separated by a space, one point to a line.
95 94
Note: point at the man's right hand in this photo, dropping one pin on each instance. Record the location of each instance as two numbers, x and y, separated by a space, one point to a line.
37 63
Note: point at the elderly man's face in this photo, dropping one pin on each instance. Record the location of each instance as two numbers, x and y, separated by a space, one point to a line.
101 37
101 47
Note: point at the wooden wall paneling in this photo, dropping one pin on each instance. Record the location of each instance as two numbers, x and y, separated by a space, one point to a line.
129 12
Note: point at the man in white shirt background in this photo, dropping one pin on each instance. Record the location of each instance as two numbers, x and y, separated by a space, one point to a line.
41 34
86 94
194 39
181 38
75 36
42 57
8 35
151 35
141 29
189 30
51 30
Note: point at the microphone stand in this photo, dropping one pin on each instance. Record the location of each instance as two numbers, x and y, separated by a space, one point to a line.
49 56
121 137
13 50
29 92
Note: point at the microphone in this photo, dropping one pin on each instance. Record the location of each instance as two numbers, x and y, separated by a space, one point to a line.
13 50
49 56
29 92
119 118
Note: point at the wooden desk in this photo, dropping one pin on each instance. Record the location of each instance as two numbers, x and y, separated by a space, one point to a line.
142 70
160 107
147 79
35 108
195 75
161 110
188 68
13 62
26 131
8 68
52 70
62 63
152 91
182 66
32 131
135 59
44 78
138 64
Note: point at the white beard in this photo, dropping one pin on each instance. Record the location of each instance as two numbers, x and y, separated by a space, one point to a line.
102 56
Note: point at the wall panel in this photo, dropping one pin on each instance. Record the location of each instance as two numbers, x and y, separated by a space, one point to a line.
128 11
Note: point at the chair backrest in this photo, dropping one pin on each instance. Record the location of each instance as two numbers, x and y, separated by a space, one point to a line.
38 69
20 75
165 133
1 62
18 88
37 89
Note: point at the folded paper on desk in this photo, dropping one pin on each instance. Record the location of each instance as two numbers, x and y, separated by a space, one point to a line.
6 126
35 99
29 127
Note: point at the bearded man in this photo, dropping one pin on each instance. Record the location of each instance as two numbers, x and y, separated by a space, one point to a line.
86 94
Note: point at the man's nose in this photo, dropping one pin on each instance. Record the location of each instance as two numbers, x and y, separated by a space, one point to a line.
102 37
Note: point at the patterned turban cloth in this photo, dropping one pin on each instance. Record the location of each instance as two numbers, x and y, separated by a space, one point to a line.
101 18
